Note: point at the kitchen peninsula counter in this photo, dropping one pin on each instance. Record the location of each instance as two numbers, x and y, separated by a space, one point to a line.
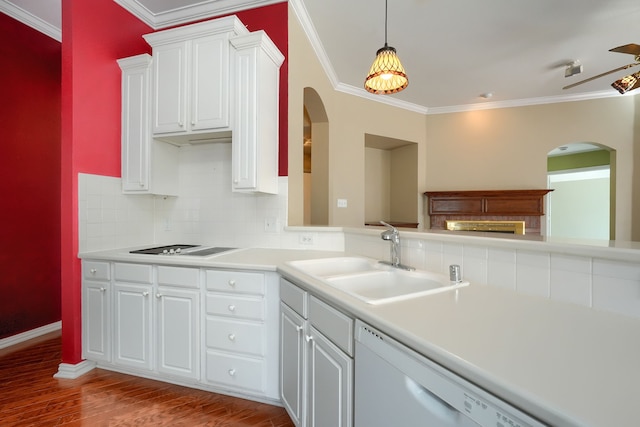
564 364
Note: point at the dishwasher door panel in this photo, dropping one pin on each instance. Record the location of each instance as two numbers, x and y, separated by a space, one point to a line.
385 396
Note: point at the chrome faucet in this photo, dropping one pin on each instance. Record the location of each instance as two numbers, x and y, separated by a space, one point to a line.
393 236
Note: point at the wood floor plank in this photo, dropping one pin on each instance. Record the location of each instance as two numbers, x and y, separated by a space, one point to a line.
31 397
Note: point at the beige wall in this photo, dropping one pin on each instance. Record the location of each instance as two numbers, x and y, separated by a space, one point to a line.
486 149
507 148
350 118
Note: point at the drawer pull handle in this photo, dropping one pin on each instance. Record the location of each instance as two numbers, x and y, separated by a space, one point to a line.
232 308
93 271
232 372
232 337
232 283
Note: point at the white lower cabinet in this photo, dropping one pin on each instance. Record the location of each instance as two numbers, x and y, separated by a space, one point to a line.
207 328
155 319
96 311
178 320
316 360
241 332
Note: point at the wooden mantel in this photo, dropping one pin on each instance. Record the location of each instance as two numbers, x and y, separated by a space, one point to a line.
487 205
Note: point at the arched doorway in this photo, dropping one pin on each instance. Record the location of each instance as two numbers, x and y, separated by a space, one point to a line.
582 204
315 160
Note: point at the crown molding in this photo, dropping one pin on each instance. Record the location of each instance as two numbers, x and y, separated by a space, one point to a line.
31 20
527 102
187 14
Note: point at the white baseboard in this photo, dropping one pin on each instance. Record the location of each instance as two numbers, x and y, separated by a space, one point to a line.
33 333
71 372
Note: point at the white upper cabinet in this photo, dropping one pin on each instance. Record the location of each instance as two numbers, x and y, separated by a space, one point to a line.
255 113
148 166
192 79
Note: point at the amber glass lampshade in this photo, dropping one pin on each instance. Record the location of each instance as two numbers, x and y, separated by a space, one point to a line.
387 74
627 83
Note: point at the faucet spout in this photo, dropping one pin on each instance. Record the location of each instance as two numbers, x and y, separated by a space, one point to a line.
392 235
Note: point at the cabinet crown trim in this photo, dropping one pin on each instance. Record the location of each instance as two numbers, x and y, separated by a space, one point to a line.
228 24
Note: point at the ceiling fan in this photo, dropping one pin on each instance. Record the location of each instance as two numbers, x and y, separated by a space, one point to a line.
627 83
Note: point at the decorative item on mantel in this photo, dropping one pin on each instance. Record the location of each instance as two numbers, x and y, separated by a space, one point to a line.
478 209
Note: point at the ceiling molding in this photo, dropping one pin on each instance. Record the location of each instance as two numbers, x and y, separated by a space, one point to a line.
527 102
307 26
31 20
184 15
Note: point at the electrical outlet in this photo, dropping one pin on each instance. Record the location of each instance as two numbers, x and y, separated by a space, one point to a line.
270 225
342 203
305 239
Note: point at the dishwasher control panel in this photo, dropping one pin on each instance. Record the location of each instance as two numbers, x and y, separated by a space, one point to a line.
485 414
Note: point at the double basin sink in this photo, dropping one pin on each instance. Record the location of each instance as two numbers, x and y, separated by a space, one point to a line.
374 282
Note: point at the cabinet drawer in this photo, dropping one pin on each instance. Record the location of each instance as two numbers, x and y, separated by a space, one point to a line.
294 297
336 326
237 306
235 281
178 276
235 336
96 270
133 273
236 371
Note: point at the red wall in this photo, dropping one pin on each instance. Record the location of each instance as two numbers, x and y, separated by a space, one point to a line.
30 184
95 34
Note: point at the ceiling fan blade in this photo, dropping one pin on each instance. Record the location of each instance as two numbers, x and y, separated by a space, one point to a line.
624 67
632 49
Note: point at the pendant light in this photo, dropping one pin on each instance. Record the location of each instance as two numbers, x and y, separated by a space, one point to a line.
387 74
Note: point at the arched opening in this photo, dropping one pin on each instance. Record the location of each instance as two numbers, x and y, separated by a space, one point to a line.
315 160
582 204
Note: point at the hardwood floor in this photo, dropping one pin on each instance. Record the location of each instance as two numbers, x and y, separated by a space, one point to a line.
30 396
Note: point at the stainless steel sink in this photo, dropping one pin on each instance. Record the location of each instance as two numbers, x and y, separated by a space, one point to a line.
373 282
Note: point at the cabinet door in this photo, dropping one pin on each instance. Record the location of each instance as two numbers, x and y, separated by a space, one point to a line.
132 334
96 337
170 87
292 363
135 123
244 147
178 326
210 83
330 384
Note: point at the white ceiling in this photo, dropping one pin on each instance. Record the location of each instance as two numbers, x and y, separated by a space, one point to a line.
453 51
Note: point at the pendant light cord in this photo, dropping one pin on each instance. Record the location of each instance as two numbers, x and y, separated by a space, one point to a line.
386 8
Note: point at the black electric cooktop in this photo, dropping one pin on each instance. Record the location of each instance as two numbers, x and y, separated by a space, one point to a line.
191 250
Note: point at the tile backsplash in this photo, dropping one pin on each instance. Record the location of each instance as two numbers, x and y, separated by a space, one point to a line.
205 212
547 272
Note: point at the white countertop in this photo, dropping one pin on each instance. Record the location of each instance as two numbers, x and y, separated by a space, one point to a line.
564 364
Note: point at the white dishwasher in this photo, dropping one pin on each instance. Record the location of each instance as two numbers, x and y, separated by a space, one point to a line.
395 386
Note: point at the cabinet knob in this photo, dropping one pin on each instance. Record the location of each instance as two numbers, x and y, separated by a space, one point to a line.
103 289
232 372
299 328
145 294
232 283
159 295
93 271
181 124
308 338
232 337
141 184
232 308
